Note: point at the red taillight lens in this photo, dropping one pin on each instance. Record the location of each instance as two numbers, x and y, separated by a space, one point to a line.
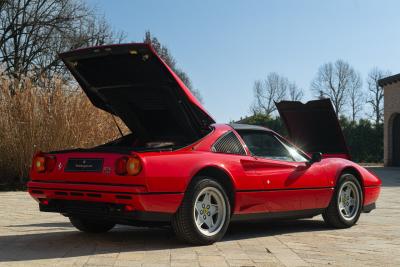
120 166
50 163
39 164
43 163
133 166
128 166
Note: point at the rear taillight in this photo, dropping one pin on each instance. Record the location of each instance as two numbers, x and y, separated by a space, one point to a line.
42 163
39 164
120 166
128 166
50 163
133 166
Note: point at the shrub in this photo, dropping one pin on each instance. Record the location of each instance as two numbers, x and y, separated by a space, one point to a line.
53 116
364 140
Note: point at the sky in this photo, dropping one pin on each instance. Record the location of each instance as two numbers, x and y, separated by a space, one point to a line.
226 45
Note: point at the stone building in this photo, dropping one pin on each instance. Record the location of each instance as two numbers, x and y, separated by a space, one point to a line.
391 88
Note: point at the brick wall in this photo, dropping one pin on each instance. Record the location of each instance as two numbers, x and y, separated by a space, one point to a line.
391 108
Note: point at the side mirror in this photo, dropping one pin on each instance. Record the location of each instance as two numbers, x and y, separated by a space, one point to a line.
316 157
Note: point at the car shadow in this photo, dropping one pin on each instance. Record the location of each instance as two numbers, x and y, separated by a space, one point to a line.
255 229
52 224
72 243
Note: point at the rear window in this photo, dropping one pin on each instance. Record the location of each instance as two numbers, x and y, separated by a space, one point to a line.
228 144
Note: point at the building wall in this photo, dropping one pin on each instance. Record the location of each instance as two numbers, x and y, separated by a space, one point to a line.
391 108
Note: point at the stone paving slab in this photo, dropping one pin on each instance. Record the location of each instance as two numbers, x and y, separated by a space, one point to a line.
31 238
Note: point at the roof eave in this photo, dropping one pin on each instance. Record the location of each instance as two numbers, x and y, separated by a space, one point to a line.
389 80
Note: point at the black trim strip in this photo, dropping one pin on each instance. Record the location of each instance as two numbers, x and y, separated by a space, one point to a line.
88 183
160 193
79 190
105 211
284 189
108 192
368 208
294 214
372 186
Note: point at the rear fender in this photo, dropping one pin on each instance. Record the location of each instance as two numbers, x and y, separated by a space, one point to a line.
213 170
222 175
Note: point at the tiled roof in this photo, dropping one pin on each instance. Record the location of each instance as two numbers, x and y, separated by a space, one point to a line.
389 80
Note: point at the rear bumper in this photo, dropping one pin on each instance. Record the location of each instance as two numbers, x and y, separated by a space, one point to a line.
371 194
104 211
135 196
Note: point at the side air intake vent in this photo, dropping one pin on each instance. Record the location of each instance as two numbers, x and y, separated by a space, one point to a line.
228 144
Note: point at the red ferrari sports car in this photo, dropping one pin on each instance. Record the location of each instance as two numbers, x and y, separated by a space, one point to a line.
179 167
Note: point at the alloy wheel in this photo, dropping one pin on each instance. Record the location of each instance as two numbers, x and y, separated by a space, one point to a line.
209 211
348 200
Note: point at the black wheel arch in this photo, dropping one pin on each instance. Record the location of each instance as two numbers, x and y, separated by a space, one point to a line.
357 175
221 176
353 171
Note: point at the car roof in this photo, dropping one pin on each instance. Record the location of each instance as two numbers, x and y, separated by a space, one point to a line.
240 126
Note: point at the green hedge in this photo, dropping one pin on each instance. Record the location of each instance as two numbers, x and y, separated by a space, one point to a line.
365 141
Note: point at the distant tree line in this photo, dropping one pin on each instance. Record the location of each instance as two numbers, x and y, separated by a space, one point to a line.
343 85
364 141
337 81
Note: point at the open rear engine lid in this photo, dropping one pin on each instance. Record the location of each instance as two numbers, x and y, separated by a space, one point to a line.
132 82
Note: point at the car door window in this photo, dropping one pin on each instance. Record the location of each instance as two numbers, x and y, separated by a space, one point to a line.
266 145
296 154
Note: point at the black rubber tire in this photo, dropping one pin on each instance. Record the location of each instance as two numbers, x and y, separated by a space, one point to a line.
332 215
90 225
183 222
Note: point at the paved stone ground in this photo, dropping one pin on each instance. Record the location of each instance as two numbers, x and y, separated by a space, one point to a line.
30 238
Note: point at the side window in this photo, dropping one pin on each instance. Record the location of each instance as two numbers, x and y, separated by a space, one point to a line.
266 145
294 152
228 144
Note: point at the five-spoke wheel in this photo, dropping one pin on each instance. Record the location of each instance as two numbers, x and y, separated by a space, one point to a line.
209 211
348 200
204 215
345 207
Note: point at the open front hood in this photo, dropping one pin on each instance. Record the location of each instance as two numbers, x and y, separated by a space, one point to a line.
132 82
314 126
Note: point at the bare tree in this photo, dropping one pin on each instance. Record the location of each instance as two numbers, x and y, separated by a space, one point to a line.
295 93
334 81
165 54
375 93
33 32
274 88
356 95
